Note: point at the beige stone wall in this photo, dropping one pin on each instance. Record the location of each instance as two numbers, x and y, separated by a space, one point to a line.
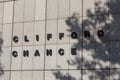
45 39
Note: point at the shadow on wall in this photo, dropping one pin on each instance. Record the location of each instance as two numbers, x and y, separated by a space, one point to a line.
101 46
1 68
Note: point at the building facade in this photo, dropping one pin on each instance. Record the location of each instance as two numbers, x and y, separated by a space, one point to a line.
60 40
